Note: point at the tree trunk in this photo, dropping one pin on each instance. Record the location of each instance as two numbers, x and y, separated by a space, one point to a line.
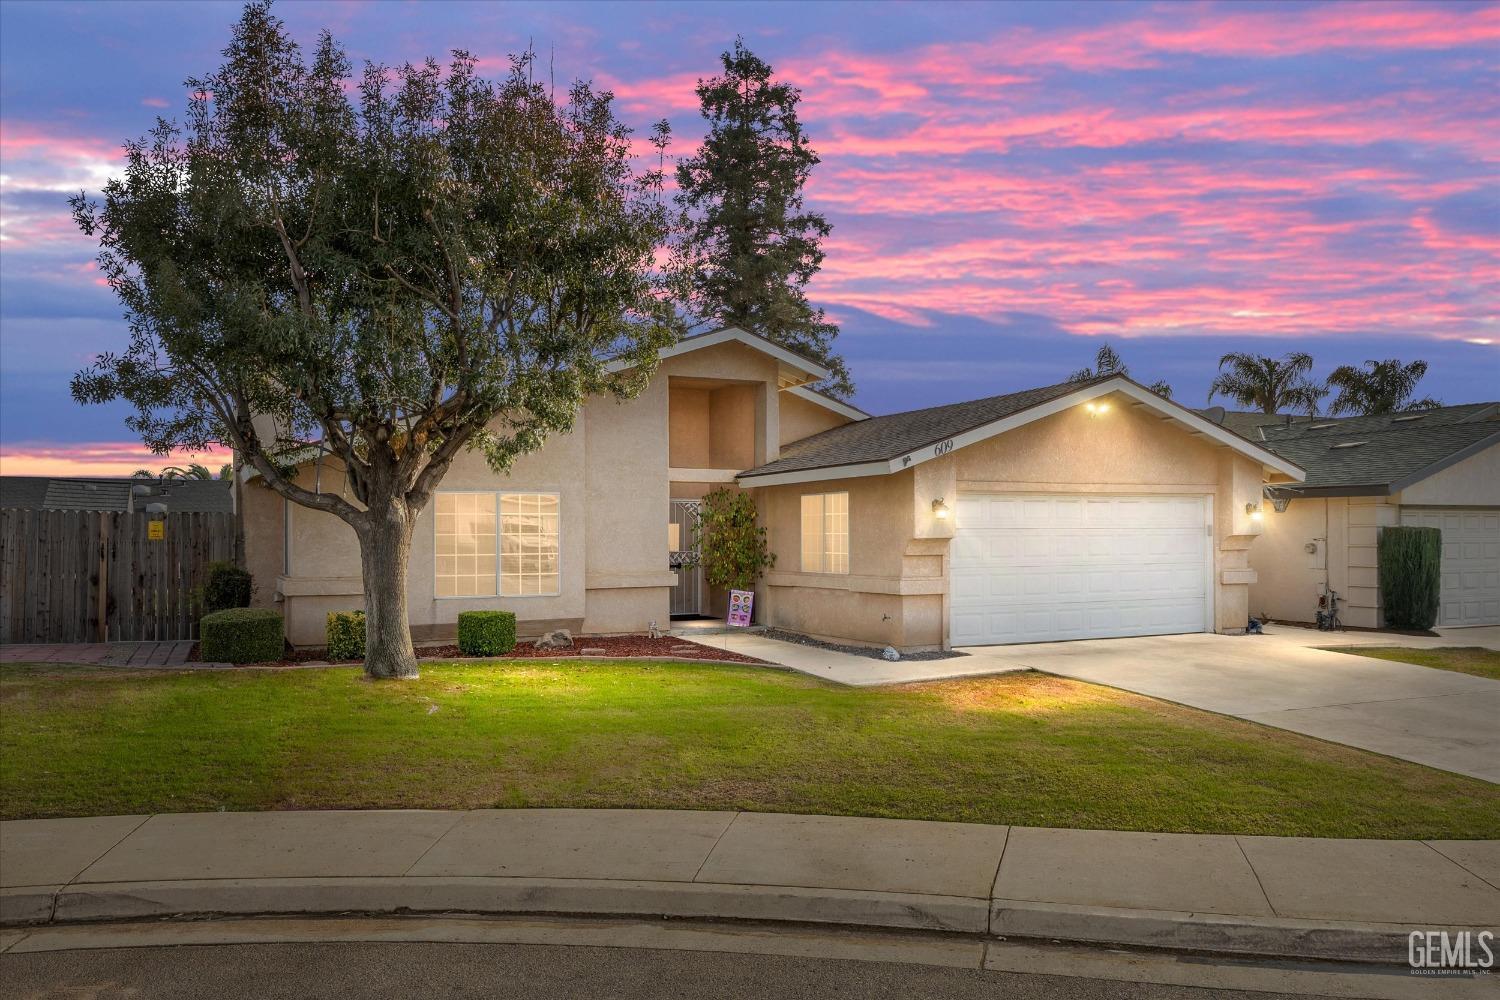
384 549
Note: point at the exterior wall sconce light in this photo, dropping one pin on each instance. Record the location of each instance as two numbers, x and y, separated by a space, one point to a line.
1280 503
1096 408
1253 509
940 509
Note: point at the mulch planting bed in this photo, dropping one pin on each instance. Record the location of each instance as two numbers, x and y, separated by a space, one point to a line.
611 647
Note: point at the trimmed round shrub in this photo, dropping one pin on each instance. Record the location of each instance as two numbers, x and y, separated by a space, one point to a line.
346 635
241 635
486 633
227 586
1411 561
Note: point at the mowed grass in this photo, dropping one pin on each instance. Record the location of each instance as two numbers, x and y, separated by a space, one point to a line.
1474 660
1022 748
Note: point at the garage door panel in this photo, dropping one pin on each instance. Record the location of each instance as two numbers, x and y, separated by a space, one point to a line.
1077 567
1470 575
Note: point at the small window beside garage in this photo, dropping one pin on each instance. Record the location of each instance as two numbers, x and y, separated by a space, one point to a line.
825 533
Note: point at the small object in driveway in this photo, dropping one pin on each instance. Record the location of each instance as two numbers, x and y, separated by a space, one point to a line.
1328 612
1253 628
557 639
889 653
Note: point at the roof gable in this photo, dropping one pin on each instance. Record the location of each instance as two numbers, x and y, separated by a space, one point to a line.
887 444
796 369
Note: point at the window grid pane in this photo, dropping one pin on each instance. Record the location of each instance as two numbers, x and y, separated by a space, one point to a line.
528 545
825 533
465 545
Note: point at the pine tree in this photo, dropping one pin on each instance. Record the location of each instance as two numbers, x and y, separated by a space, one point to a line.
749 248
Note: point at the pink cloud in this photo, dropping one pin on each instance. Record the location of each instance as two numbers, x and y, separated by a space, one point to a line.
96 458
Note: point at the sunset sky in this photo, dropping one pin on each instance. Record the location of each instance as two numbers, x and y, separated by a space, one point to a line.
1009 185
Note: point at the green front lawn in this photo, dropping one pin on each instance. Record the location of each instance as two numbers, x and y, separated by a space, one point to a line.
1024 748
1474 660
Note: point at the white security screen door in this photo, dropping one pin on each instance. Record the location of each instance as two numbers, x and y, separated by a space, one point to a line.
1030 568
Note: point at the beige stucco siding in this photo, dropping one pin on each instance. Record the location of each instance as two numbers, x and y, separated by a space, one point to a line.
801 419
899 551
1346 532
1474 482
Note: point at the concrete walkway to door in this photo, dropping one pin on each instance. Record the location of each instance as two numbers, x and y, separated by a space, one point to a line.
1435 717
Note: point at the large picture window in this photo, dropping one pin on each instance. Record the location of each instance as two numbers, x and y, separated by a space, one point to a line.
825 533
496 543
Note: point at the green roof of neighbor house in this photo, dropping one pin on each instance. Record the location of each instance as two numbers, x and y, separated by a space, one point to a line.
1373 455
895 440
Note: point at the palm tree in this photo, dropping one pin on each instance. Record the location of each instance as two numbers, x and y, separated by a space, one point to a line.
1388 387
193 471
1107 362
143 474
1268 384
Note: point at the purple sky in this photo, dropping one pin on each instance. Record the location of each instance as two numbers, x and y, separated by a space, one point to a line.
1008 184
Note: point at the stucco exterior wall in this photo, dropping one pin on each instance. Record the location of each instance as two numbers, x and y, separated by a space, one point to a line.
611 477
801 419
1474 482
896 589
1346 531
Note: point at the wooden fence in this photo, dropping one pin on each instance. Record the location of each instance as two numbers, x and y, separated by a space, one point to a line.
105 576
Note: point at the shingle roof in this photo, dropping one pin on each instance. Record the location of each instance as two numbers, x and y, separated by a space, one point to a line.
1380 451
1379 457
886 437
102 493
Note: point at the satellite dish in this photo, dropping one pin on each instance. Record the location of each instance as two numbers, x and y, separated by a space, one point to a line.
140 490
1214 413
156 508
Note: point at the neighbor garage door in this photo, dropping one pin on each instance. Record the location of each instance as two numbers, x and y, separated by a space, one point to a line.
1471 563
1032 568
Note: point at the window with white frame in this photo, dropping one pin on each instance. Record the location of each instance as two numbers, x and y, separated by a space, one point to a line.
488 543
825 533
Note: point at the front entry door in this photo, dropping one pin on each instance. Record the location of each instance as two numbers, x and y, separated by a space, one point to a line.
682 557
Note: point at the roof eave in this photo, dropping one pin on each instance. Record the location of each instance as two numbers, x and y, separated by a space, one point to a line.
1084 393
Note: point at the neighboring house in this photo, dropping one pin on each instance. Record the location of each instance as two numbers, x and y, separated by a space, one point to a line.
1437 468
1075 511
178 496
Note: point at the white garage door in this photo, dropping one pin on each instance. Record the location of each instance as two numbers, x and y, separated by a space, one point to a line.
1032 568
1471 563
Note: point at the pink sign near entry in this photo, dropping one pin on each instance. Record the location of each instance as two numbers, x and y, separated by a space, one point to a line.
741 602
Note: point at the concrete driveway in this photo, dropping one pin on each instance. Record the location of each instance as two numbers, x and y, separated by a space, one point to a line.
1436 717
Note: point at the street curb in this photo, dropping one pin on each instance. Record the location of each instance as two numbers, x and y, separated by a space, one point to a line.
518 896
1202 932
857 909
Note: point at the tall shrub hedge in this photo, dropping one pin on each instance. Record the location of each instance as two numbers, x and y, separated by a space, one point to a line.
346 635
227 586
486 633
241 635
1410 576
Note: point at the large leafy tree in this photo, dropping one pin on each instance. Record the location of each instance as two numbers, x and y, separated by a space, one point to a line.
1380 387
1271 385
388 270
1108 362
749 246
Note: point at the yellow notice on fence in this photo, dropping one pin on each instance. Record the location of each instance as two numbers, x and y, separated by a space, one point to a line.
156 530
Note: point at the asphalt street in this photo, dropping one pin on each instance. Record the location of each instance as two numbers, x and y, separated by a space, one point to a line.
532 972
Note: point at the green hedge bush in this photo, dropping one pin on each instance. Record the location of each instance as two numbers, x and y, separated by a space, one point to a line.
227 586
1410 576
486 633
346 635
241 635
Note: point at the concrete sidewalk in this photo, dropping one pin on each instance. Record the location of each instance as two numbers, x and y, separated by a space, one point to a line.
1345 899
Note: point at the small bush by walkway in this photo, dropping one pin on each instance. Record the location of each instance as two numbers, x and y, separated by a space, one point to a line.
1023 749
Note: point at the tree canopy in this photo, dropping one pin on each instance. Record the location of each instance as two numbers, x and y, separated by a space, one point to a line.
388 268
1387 386
1108 362
750 246
1270 385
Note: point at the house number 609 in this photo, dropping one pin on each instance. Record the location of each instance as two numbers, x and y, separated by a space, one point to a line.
942 448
